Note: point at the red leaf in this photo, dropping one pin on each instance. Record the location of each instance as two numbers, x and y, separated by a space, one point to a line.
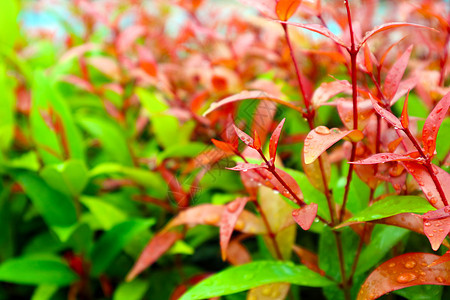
245 167
147 61
244 137
345 110
309 259
237 254
383 57
382 158
225 147
229 218
432 124
320 139
246 95
388 26
444 258
426 183
387 115
256 141
274 140
209 214
395 74
305 216
157 246
263 118
404 119
403 271
286 8
328 90
320 29
367 59
436 226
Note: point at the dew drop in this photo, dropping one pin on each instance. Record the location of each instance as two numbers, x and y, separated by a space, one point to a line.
410 264
232 206
440 279
431 235
322 130
421 183
276 192
295 213
433 200
391 265
406 277
427 224
245 170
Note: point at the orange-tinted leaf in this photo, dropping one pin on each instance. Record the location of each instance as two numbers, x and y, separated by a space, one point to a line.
328 90
263 117
286 8
106 65
426 183
128 37
444 258
237 254
319 140
320 29
157 246
244 137
432 124
388 26
314 174
225 147
209 214
345 110
403 271
404 119
308 258
395 74
246 95
256 140
228 221
436 226
272 291
387 115
383 57
367 59
382 158
305 216
274 140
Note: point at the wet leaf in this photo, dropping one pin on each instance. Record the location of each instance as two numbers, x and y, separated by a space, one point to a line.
382 158
286 8
237 254
245 167
403 271
444 258
157 246
274 140
228 221
390 206
320 29
395 74
328 90
319 140
314 172
248 140
386 115
388 26
244 277
426 183
209 214
436 226
246 95
345 110
305 216
308 258
432 124
404 119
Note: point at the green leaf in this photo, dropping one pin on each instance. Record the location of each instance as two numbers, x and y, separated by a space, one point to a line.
44 292
57 209
442 141
7 105
111 243
134 290
383 239
9 29
390 206
421 292
245 277
69 177
111 137
37 271
107 214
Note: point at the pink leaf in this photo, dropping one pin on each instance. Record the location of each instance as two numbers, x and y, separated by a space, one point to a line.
328 90
345 110
229 218
157 246
382 158
320 29
320 139
248 140
432 124
395 74
444 258
388 26
305 216
426 183
245 167
436 226
129 36
403 271
274 140
387 115
246 95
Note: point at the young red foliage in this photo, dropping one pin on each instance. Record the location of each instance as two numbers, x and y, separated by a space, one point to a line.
444 258
248 140
228 221
436 226
273 145
403 271
382 158
395 74
286 8
387 115
305 216
432 124
404 119
157 246
225 147
320 29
